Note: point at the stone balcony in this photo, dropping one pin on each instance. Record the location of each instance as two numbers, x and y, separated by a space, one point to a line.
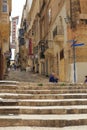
58 35
59 38
49 51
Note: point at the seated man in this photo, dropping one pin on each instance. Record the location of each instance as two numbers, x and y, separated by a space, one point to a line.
53 78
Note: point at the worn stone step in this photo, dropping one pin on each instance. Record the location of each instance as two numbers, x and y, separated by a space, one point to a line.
31 102
43 91
53 111
52 87
8 86
8 90
8 102
43 96
5 82
63 102
43 110
44 128
44 120
52 91
9 111
45 106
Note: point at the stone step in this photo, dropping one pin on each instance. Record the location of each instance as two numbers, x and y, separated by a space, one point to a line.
8 102
43 96
5 110
9 111
44 128
43 91
54 111
36 102
52 102
44 120
5 82
52 87
52 91
45 106
8 86
44 86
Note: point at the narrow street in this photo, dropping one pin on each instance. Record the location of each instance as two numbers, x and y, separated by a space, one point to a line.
23 76
43 64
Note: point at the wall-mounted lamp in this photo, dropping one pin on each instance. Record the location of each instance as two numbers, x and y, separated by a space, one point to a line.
67 19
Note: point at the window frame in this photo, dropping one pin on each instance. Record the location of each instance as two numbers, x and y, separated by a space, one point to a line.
5 6
4 1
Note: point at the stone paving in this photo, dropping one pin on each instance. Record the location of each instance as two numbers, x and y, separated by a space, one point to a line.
17 75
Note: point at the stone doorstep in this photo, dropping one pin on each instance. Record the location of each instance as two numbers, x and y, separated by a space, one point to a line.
44 120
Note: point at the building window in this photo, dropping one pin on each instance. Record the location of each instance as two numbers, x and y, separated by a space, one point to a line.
4 6
55 32
61 54
4 1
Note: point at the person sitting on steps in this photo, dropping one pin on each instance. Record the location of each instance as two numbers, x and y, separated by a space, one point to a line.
53 78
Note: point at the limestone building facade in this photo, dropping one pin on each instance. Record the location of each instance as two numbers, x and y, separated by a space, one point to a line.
5 26
54 27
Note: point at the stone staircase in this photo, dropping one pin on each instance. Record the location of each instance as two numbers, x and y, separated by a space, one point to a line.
42 105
